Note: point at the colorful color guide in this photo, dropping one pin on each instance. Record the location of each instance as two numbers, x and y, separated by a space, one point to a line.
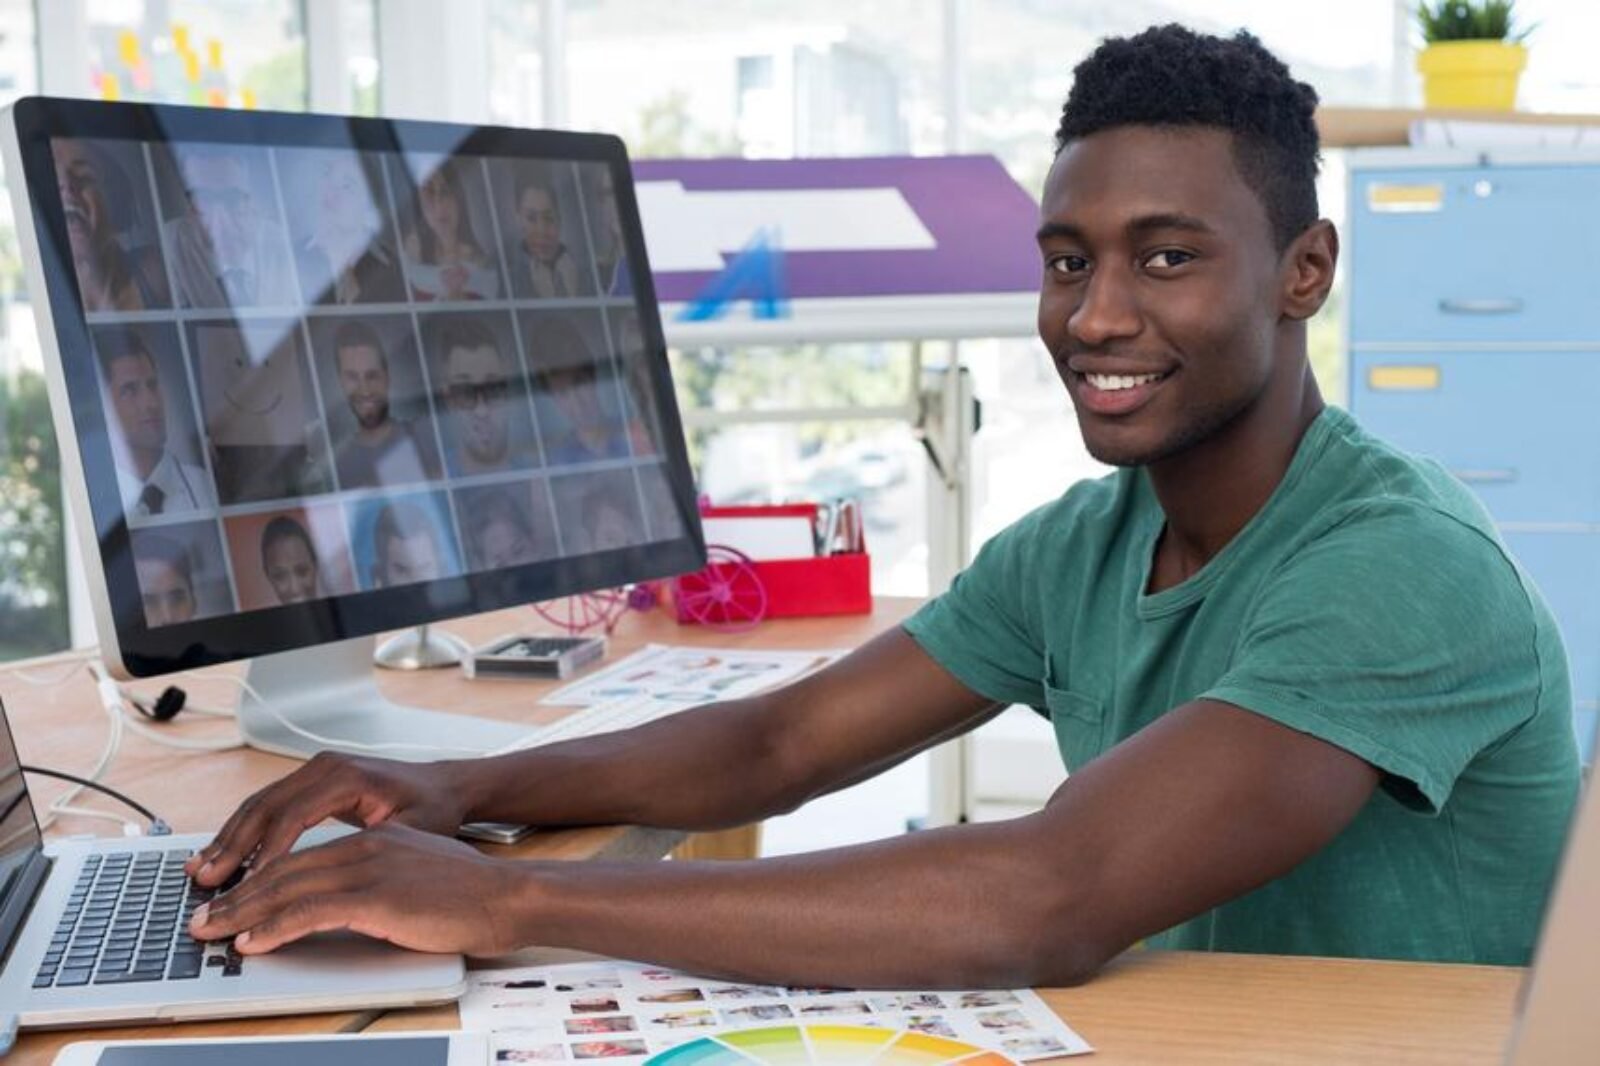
826 1045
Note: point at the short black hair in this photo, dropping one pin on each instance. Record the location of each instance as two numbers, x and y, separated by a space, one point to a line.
461 331
115 345
157 548
529 178
282 527
358 334
1171 76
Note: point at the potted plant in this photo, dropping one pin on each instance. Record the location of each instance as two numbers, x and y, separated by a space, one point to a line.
1474 54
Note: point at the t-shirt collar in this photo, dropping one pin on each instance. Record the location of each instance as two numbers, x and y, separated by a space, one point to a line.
1193 589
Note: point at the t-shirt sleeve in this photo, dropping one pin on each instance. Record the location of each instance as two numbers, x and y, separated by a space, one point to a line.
1404 637
978 629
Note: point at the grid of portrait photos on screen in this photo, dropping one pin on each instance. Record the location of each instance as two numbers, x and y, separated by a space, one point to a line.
326 371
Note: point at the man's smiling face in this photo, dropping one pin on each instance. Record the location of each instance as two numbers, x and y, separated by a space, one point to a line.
1160 297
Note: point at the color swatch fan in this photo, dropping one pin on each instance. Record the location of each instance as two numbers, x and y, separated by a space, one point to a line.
826 1045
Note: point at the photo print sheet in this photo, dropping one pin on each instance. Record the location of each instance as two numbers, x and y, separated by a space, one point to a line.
628 1011
689 676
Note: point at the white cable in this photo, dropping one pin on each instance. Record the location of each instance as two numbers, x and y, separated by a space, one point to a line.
216 712
334 742
63 804
112 699
181 743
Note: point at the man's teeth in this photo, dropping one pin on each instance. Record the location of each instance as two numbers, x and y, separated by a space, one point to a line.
1113 382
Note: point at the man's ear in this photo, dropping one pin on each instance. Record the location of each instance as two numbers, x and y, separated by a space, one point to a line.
1308 266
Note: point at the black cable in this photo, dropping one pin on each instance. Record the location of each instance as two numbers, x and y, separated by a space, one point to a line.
158 826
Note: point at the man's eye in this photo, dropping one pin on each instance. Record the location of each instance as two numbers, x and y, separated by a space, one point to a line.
1067 264
1168 258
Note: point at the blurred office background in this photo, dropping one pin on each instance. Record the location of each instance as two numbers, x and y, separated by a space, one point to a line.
746 78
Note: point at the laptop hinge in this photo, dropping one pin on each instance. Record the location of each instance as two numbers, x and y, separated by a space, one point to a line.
19 901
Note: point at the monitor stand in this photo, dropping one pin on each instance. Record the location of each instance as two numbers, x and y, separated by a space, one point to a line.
328 694
421 649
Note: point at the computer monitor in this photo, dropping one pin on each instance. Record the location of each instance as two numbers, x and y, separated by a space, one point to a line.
316 377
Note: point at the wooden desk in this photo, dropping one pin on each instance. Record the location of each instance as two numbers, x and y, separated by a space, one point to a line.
1197 1009
61 726
1149 1007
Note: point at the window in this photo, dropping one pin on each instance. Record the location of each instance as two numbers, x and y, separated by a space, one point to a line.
516 89
778 80
1561 74
762 79
33 607
240 53
360 33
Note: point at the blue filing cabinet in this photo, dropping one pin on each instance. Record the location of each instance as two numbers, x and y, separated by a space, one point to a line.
1474 337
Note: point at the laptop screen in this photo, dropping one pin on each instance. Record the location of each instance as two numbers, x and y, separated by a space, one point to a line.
19 833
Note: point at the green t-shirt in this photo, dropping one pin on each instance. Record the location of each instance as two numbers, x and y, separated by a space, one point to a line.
1371 604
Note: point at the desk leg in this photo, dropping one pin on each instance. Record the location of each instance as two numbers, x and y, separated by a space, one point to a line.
741 843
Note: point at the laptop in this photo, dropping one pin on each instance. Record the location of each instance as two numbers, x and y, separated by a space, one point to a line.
95 931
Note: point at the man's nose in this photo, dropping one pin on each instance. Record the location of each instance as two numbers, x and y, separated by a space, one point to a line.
1108 312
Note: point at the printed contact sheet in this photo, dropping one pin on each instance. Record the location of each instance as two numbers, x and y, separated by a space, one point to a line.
627 1011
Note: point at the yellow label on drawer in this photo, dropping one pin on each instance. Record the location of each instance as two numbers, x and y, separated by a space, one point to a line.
1385 196
1403 378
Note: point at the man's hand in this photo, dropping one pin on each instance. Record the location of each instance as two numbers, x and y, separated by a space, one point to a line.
413 889
364 792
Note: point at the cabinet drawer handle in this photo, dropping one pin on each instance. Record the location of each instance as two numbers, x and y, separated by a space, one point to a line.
1509 306
1490 475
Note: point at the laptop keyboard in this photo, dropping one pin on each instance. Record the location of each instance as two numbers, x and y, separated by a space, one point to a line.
127 920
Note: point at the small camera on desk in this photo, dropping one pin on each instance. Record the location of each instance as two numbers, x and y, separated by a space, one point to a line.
520 657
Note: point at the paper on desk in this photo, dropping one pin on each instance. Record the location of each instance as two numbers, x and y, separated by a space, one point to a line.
625 1011
687 675
778 536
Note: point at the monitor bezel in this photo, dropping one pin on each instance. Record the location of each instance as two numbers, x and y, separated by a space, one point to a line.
139 650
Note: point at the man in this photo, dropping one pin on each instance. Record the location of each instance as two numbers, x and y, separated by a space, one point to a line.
384 450
405 547
289 561
1308 703
153 480
94 190
166 580
486 433
226 249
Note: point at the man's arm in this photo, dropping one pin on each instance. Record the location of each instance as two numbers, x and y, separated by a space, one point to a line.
1202 806
731 763
721 765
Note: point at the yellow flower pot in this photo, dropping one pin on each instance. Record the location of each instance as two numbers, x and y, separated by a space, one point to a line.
1478 75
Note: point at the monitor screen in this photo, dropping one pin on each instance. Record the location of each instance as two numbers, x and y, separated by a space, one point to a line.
331 376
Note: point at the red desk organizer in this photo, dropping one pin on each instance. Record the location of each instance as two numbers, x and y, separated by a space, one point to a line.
799 588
